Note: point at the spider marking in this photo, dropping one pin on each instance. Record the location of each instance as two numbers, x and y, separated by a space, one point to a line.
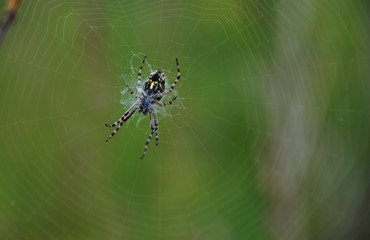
149 95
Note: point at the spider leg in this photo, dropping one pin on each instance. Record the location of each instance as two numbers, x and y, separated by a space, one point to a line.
139 74
151 133
170 102
132 93
156 128
177 78
164 104
123 120
147 142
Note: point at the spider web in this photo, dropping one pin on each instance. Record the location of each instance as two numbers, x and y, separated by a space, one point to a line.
268 139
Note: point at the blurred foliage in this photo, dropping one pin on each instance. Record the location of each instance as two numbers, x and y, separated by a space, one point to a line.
269 138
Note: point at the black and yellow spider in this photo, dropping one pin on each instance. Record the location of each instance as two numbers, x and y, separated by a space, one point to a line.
148 95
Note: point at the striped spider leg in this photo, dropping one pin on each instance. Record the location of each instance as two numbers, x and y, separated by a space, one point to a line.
148 96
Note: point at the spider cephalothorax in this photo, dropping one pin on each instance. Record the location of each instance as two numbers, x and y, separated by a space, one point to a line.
148 96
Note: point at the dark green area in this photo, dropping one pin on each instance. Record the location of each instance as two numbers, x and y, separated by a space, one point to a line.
268 139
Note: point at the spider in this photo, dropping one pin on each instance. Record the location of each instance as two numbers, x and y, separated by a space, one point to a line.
148 96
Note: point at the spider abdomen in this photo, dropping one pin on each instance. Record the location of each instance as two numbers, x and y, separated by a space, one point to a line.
155 82
149 95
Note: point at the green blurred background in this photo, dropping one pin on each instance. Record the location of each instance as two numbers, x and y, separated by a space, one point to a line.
269 138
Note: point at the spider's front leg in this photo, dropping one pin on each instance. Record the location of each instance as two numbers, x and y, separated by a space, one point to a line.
121 121
153 127
156 128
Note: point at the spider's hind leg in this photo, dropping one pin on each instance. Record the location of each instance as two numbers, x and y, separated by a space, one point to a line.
177 78
139 74
132 93
170 102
